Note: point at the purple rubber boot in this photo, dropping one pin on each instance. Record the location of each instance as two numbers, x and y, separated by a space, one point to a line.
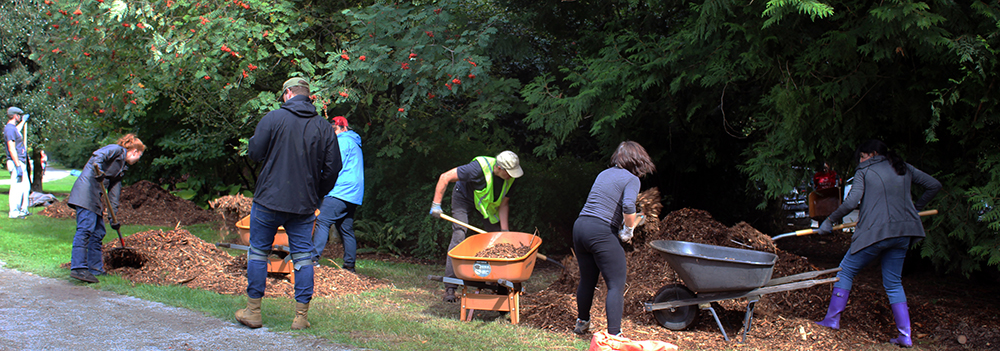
902 314
838 300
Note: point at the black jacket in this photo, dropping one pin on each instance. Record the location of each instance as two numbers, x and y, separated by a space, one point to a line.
300 154
86 191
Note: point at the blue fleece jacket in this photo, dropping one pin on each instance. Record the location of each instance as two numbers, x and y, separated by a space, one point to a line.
351 180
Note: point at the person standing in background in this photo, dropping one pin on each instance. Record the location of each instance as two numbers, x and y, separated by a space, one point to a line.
301 162
17 160
340 204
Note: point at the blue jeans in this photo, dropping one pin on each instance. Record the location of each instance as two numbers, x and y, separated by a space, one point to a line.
87 242
264 224
892 253
338 212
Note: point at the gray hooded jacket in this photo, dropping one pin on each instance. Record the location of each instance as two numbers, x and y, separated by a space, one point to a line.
886 208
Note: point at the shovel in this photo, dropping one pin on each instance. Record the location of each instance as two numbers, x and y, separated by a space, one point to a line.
480 231
839 227
119 256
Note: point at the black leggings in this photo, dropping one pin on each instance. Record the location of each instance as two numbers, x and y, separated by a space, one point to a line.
599 251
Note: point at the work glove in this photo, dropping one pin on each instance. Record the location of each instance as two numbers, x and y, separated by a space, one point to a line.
625 234
20 174
116 226
98 173
436 210
825 228
25 119
640 219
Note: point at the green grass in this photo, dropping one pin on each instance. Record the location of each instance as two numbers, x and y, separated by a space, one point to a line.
407 316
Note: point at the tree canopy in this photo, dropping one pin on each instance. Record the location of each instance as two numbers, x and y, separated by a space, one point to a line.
736 101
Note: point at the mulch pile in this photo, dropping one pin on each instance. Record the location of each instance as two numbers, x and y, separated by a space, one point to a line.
177 257
145 203
781 320
232 208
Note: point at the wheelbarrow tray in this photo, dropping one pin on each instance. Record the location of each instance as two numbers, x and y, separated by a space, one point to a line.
485 269
280 238
709 268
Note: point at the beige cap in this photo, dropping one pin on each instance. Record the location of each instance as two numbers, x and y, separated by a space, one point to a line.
509 162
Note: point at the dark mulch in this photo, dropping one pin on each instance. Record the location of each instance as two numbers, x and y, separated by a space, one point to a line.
944 310
145 203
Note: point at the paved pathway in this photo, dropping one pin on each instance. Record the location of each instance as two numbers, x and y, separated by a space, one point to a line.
38 313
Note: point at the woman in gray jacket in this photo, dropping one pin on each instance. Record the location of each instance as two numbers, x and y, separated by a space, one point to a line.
106 167
888 224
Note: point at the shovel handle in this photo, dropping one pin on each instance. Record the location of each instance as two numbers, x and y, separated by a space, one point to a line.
839 227
111 211
453 220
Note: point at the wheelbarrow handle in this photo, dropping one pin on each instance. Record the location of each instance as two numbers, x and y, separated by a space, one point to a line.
839 227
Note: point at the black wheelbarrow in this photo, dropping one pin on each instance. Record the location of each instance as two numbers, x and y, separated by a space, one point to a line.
715 273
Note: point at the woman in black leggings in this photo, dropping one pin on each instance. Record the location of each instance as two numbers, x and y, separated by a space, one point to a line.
609 216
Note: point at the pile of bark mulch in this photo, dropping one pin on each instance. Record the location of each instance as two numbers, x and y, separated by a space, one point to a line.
177 257
232 208
781 320
145 203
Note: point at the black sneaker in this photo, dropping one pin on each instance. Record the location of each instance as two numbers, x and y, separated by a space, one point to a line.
349 269
84 275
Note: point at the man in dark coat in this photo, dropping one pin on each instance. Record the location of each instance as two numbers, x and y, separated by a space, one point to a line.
301 161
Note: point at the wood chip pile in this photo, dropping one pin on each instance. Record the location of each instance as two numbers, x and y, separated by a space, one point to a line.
177 257
146 203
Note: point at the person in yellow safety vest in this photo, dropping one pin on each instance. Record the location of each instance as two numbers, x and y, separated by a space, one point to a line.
482 185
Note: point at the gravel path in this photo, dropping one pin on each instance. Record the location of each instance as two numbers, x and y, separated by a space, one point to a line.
38 313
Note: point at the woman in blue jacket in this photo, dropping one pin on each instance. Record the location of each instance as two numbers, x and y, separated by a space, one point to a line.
340 204
107 166
888 224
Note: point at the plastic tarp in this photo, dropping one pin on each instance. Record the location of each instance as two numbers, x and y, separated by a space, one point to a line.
603 341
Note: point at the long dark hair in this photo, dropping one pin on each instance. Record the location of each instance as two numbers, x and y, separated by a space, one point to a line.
633 157
878 147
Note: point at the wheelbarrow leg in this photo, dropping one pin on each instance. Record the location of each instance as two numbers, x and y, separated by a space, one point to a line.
708 306
748 319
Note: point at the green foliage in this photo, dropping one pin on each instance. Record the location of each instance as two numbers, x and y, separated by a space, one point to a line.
776 9
382 237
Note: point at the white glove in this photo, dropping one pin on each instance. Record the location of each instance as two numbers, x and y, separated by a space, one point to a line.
626 233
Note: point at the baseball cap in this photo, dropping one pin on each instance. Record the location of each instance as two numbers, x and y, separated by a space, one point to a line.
509 162
14 111
295 82
340 121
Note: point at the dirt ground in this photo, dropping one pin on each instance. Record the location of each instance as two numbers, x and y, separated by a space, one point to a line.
948 313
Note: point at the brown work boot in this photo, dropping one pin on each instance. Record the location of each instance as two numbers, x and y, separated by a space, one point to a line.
300 321
250 316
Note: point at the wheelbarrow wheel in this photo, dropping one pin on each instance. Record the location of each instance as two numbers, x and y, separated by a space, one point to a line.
677 318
